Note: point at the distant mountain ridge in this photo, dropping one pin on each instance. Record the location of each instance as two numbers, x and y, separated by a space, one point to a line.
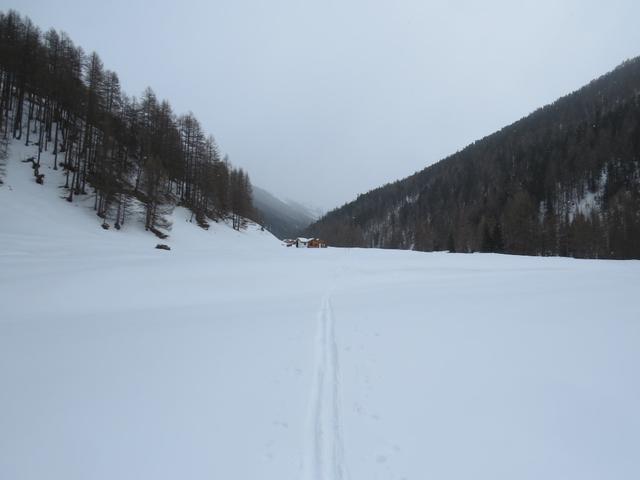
282 218
564 180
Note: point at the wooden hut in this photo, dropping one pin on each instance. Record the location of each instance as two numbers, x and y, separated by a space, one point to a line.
316 243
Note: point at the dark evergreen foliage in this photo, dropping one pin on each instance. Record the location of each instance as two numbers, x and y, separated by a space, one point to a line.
565 180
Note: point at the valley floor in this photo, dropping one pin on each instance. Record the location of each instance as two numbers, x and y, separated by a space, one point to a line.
232 357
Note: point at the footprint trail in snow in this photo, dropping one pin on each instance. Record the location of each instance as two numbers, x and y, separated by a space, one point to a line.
325 452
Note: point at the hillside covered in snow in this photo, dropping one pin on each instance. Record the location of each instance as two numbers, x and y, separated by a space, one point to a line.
32 210
125 153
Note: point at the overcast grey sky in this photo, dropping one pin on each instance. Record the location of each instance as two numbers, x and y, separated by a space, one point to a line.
323 100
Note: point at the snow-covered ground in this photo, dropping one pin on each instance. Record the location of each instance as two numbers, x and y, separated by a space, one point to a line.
232 357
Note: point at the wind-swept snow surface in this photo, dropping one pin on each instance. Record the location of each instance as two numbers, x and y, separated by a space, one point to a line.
231 357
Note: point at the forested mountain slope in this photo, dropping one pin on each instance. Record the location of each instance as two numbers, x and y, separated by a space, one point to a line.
564 180
34 217
122 151
283 219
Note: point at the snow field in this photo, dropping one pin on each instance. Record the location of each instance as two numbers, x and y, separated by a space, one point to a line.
233 357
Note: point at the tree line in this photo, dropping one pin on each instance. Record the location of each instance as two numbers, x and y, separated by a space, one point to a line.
124 150
564 180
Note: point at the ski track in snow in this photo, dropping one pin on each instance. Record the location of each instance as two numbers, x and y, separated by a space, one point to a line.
325 452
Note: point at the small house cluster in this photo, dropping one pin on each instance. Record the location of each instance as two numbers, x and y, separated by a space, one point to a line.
304 242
